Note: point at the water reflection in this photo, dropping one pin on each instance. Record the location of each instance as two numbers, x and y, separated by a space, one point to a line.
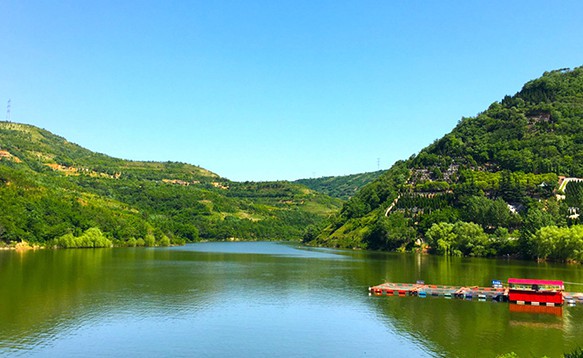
260 298
260 248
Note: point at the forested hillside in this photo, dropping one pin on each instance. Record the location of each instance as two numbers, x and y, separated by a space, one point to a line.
51 189
342 187
490 187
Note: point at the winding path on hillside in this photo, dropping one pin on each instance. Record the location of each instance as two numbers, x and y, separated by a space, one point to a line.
566 181
392 205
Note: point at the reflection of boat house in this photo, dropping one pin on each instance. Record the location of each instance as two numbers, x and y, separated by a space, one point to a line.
550 310
535 292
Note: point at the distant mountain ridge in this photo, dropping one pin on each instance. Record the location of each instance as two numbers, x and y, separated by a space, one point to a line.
493 177
50 188
342 187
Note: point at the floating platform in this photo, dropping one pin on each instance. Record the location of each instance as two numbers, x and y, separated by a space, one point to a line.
423 290
572 298
499 294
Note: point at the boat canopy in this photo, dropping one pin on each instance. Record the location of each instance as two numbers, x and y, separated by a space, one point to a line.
527 281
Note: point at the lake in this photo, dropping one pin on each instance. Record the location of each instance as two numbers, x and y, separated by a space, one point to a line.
253 299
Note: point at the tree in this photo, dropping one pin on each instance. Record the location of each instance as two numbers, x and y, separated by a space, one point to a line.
149 240
440 238
164 241
558 244
399 232
459 239
470 239
510 189
490 214
354 208
311 233
534 220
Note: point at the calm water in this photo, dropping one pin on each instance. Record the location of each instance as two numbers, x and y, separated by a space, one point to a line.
265 299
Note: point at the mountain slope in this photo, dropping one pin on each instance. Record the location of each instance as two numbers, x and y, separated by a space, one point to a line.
342 187
50 187
498 170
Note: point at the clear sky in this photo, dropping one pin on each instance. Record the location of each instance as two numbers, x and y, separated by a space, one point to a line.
272 89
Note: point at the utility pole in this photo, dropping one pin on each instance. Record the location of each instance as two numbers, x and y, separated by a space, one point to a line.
8 111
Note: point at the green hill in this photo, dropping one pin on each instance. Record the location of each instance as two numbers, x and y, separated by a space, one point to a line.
50 188
487 188
342 187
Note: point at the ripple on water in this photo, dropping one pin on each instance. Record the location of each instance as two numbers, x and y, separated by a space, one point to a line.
257 299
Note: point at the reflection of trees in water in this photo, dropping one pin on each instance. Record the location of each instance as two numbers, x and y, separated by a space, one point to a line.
463 328
41 288
46 293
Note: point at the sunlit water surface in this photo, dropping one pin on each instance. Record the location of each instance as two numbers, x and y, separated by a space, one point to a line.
266 299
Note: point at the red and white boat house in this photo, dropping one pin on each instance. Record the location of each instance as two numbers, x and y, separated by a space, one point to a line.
535 292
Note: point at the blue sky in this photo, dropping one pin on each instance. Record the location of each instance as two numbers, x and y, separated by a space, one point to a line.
266 90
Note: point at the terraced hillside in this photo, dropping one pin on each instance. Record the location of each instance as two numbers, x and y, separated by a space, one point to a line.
50 187
489 187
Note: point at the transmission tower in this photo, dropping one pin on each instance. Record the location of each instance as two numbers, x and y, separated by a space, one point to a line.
8 111
378 163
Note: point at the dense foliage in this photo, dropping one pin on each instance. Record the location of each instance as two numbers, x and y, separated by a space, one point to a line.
342 187
490 187
53 191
